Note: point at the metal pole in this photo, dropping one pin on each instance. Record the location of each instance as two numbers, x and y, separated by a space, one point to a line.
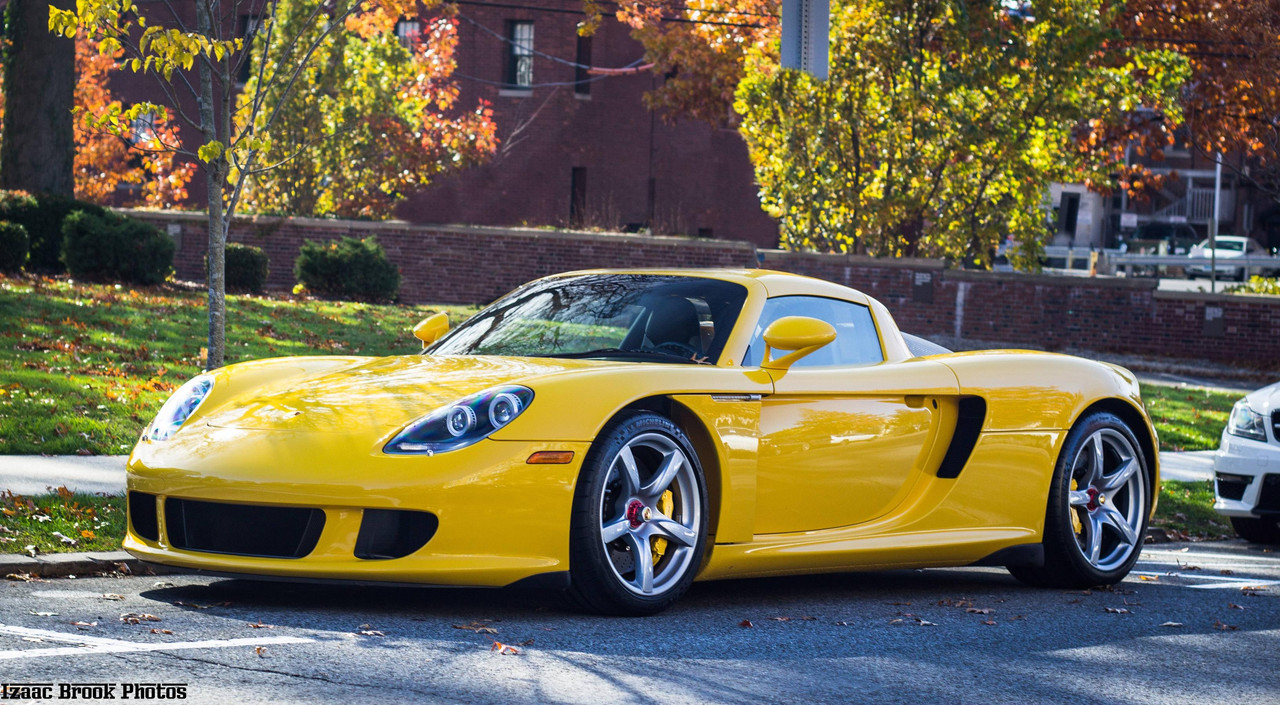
1213 225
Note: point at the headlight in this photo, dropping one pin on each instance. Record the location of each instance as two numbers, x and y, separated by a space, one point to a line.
1246 422
179 408
460 424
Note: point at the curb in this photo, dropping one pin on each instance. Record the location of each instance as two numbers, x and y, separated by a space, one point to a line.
61 565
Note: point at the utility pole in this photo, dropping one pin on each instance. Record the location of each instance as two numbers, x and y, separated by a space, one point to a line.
1213 225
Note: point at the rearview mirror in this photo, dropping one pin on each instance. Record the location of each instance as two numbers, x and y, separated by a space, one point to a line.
800 334
431 328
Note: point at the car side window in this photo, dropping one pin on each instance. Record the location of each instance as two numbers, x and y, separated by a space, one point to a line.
857 341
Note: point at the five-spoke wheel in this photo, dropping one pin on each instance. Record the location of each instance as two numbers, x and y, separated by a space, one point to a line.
639 518
1099 504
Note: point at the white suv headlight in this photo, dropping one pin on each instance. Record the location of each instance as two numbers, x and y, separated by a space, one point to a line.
1246 422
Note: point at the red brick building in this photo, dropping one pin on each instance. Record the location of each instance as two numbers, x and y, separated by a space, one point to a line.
581 149
577 149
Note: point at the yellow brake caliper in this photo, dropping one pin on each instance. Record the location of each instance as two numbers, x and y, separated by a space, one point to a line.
1076 524
665 505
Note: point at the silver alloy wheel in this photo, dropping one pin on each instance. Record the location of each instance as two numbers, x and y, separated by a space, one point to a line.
1108 499
632 500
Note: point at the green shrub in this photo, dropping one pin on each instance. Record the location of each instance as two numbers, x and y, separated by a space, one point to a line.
115 248
349 268
14 245
43 217
247 268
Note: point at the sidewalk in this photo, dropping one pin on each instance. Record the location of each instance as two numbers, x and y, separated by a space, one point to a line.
35 474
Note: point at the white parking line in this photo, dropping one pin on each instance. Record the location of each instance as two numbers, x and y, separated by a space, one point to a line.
98 645
1213 582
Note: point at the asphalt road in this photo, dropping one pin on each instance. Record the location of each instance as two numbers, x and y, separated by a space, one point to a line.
906 636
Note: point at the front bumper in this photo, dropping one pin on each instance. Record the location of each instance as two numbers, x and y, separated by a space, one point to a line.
497 519
1246 478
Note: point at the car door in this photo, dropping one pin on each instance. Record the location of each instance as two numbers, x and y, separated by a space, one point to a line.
845 434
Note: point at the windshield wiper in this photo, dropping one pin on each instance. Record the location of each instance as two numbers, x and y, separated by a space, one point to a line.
631 352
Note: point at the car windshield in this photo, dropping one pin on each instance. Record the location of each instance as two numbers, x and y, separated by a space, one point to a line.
635 317
1224 244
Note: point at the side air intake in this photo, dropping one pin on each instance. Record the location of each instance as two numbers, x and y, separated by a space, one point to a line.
973 412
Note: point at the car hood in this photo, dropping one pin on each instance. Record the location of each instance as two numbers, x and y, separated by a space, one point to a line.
378 395
1265 400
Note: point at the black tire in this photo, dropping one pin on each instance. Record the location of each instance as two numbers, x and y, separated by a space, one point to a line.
1264 531
598 569
1066 564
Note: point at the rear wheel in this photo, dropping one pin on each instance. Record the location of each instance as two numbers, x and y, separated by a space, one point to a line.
639 518
1257 530
1098 507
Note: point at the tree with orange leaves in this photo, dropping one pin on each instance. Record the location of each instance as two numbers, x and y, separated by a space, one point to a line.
700 46
1232 100
199 64
105 161
377 118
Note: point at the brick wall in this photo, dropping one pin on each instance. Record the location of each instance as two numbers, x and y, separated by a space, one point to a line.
476 265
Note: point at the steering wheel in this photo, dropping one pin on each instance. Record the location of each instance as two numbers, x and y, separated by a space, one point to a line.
680 349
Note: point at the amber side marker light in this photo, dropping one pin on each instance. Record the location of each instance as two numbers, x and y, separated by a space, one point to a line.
551 457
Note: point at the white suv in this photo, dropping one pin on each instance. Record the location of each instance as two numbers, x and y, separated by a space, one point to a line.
1246 483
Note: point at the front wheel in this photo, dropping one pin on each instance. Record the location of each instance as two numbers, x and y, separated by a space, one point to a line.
639 523
1098 508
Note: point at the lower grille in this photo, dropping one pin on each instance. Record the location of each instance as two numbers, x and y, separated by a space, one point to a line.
1269 498
1232 486
242 529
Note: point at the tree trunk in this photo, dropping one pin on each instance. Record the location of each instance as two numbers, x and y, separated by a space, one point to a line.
38 151
216 172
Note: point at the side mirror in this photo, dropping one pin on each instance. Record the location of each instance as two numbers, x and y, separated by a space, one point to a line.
431 328
800 334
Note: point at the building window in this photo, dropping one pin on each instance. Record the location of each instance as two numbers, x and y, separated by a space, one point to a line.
409 32
249 25
519 54
143 128
582 79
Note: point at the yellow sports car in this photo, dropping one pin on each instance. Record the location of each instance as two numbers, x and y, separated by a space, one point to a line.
619 434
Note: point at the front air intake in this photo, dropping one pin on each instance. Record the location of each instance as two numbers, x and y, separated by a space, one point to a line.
242 529
393 533
142 516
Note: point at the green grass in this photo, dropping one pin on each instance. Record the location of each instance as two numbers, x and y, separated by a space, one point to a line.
88 522
1188 419
1187 508
86 366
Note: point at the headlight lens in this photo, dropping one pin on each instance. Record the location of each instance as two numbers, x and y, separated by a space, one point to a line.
179 408
1246 422
463 423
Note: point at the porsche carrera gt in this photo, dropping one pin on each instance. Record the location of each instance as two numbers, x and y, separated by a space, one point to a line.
618 434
